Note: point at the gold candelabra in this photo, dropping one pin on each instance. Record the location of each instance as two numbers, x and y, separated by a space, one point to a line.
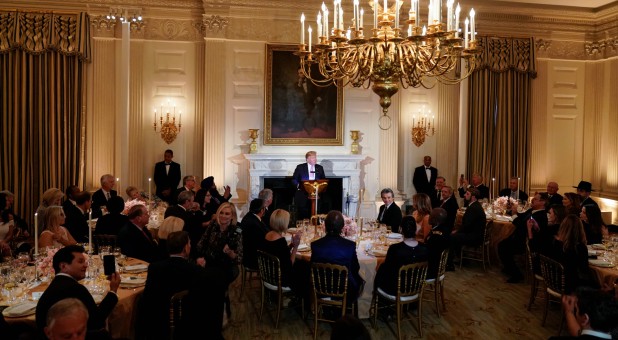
389 58
422 127
253 134
168 128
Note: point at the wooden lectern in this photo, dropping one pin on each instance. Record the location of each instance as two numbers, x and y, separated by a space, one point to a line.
313 189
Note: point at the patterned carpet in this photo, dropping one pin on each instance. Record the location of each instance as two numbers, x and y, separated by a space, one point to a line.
479 306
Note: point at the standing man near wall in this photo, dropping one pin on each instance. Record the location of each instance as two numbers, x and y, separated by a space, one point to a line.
167 177
424 178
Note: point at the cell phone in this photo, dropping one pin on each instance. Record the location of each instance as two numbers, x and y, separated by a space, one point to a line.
109 264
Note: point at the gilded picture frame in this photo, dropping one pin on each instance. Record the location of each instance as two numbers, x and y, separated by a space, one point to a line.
296 112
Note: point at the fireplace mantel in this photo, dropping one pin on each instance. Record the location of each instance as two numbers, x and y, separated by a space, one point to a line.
280 165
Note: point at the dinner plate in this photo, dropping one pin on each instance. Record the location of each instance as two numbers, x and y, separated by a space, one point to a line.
394 236
292 230
601 263
592 252
132 281
20 309
136 268
598 246
377 252
304 247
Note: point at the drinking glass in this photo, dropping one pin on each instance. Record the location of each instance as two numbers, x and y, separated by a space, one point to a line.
104 250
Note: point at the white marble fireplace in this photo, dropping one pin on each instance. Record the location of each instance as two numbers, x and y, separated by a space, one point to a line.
262 165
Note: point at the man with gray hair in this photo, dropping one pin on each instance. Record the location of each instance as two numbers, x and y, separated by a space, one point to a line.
266 195
66 319
188 184
101 196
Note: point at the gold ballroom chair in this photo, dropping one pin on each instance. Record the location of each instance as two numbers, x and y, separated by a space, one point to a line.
478 253
411 281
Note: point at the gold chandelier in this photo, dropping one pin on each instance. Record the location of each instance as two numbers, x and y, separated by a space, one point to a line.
421 56
422 127
168 128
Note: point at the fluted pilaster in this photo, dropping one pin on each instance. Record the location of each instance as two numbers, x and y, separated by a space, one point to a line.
137 171
389 146
447 132
539 175
198 146
214 109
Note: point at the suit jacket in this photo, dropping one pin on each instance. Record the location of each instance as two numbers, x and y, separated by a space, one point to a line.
436 198
253 233
110 224
169 180
98 200
507 192
76 223
398 255
338 250
301 173
421 184
482 188
177 192
521 222
451 206
554 199
170 276
473 222
62 287
135 244
391 217
588 201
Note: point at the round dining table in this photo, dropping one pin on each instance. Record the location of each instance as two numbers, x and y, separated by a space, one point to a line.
123 318
500 229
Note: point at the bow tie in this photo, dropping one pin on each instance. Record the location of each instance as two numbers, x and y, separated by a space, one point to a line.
167 164
427 168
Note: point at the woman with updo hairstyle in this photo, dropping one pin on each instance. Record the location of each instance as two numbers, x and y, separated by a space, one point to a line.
169 225
400 254
54 234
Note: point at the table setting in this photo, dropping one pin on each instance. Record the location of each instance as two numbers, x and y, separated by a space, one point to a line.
603 259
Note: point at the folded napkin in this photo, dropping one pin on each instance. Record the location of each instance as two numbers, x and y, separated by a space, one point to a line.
303 247
394 235
132 280
378 252
601 263
136 267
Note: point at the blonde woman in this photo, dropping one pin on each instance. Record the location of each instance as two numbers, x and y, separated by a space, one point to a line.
51 197
169 225
54 234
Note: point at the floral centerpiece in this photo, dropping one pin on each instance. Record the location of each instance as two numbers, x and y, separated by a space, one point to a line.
502 204
130 204
45 265
350 228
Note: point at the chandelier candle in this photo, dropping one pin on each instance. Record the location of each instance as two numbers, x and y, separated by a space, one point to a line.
302 29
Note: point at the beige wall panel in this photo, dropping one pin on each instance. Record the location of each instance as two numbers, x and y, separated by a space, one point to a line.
244 89
170 61
539 174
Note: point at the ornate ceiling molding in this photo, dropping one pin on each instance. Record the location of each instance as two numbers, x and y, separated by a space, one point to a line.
175 30
602 48
213 24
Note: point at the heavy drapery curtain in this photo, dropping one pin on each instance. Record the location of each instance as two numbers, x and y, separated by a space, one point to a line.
42 98
499 111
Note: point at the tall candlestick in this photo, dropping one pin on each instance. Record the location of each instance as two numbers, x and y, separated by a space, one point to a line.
518 179
36 233
335 15
396 13
302 29
150 189
449 15
466 23
90 232
310 38
457 10
375 14
493 186
316 199
118 185
472 26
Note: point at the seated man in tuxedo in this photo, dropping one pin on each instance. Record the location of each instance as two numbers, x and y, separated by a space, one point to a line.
203 307
101 196
477 182
188 184
516 242
134 238
266 195
76 220
472 226
552 194
449 203
390 213
166 177
305 172
253 233
513 191
335 249
70 265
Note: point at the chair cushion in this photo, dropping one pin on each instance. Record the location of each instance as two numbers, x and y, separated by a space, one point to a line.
554 293
394 298
273 287
432 281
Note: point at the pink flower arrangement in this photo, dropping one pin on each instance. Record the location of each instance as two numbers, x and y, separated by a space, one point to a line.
501 203
129 204
350 227
45 265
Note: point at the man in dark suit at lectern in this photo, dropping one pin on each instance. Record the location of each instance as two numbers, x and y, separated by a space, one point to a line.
167 177
308 171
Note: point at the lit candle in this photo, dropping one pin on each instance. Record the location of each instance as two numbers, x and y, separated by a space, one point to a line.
319 21
155 119
335 15
310 38
302 29
438 11
518 179
449 15
375 14
472 26
325 17
457 10
493 186
340 16
396 13
466 23
362 13
118 185
36 233
90 232
429 14
150 181
385 6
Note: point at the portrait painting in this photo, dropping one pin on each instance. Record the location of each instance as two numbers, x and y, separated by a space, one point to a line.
298 112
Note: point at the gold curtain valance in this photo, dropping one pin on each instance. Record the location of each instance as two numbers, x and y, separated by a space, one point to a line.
37 33
503 54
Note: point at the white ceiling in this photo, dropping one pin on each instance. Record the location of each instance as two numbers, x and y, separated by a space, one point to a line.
574 3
